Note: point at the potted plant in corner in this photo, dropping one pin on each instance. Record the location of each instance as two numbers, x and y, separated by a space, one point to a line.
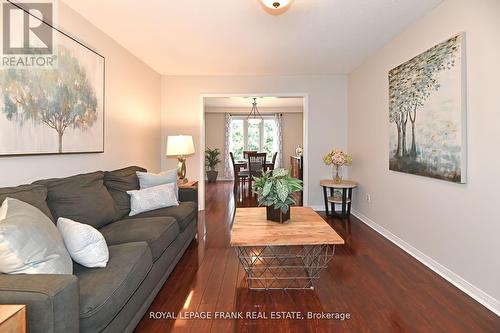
275 191
211 161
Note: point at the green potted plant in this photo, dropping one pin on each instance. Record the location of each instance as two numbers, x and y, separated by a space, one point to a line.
275 191
211 161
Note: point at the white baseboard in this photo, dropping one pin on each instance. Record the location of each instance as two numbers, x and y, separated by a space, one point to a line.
321 208
488 301
318 208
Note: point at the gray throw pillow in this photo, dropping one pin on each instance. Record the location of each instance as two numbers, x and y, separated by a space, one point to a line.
82 198
118 182
35 195
148 179
30 242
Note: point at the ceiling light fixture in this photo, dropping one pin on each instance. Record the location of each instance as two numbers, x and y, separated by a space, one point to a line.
254 117
276 7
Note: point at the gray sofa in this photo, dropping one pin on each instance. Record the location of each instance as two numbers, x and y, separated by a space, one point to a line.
143 251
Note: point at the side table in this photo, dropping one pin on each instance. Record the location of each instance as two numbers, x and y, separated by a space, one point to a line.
193 184
188 191
331 199
13 318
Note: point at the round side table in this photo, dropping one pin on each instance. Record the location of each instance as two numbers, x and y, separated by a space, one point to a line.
345 199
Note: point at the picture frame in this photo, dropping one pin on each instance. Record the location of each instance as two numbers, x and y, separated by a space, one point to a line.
56 110
427 113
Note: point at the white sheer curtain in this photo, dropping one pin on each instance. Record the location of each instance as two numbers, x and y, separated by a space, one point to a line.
278 143
227 171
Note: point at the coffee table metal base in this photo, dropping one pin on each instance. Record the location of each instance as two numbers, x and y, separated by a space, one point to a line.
284 267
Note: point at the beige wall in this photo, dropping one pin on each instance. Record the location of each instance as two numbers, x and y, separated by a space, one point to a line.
132 114
293 130
292 133
182 114
215 135
453 227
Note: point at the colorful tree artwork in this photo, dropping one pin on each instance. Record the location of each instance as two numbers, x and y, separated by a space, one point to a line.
427 113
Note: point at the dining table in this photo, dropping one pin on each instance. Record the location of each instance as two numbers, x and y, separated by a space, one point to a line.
243 164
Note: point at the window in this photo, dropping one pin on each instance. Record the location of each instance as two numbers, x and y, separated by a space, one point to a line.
237 144
253 137
270 142
260 137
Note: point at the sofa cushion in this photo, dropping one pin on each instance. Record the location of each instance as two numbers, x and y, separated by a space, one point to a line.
118 182
35 195
82 198
104 291
183 213
158 232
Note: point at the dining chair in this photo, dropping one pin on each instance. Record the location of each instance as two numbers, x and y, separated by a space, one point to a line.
273 162
246 152
240 176
256 165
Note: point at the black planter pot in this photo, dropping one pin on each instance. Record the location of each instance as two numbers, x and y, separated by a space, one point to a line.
212 176
277 215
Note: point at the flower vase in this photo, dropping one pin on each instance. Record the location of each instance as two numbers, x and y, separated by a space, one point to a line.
337 174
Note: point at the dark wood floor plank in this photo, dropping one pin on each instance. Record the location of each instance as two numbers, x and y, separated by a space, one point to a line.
197 289
208 303
227 296
383 288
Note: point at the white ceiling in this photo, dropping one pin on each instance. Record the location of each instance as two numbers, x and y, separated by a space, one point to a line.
237 37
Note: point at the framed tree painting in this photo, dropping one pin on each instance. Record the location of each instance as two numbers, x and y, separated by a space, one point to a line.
427 113
57 109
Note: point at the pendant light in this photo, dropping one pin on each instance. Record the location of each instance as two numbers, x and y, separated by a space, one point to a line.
275 4
275 7
254 117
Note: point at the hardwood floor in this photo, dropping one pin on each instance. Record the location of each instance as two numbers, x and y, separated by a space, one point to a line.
380 286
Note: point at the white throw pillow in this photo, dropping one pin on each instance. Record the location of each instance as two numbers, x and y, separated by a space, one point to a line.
148 179
85 244
152 198
30 242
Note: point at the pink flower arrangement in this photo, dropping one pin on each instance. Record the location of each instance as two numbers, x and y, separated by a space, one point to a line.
337 157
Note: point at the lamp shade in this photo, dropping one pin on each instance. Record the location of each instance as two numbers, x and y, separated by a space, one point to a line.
180 145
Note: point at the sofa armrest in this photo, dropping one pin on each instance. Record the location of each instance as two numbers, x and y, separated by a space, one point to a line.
188 194
52 301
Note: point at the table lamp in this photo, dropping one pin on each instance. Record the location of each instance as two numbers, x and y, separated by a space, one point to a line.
180 146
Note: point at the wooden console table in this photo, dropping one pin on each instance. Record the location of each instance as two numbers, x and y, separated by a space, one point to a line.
297 171
345 199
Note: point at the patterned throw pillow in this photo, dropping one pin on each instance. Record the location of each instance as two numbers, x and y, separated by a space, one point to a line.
148 179
152 198
85 244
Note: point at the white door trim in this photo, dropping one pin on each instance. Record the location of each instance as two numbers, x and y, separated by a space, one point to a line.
201 147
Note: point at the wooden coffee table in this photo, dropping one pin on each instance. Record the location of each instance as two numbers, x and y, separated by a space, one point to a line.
282 256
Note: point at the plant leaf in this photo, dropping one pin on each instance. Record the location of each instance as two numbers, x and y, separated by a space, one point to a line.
280 172
281 190
267 188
